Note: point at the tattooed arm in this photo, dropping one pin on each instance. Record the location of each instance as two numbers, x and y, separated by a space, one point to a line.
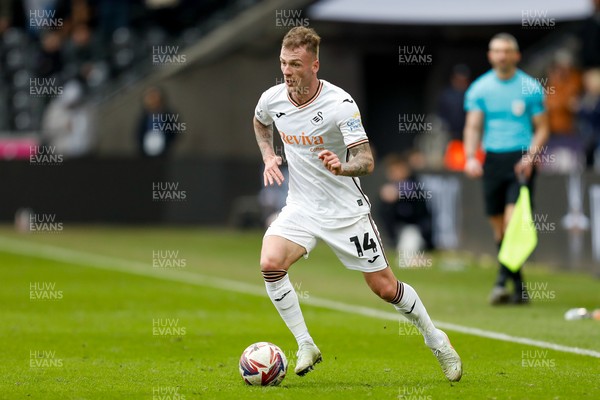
264 138
360 162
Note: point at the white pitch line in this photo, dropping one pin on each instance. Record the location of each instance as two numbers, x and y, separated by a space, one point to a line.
144 269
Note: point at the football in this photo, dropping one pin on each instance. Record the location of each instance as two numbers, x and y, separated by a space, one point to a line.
263 364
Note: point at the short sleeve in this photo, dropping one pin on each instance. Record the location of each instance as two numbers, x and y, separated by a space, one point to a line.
473 101
262 111
350 123
533 93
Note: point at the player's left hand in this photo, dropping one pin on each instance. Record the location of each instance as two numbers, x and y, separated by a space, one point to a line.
331 162
524 166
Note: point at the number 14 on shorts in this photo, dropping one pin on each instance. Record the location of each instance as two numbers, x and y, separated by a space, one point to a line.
367 243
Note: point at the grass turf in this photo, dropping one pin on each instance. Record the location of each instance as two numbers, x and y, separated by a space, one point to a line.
99 336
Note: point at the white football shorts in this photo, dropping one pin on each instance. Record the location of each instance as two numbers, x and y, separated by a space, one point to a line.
355 241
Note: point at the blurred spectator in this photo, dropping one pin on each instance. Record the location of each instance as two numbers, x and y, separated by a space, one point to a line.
67 122
78 48
155 133
84 56
452 113
81 12
589 115
590 39
565 149
564 87
19 14
403 203
416 160
49 59
450 108
111 15
6 13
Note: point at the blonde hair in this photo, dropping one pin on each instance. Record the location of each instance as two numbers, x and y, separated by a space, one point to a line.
300 36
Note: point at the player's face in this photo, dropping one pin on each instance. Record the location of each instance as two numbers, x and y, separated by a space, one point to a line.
503 55
299 68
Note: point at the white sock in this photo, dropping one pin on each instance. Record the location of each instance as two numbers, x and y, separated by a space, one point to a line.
411 307
285 299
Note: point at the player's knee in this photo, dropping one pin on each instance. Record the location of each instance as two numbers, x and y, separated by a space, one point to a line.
270 263
385 290
388 291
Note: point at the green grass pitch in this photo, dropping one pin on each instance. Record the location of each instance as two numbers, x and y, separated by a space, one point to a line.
105 322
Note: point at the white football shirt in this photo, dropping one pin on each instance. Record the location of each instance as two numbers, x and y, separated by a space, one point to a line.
330 120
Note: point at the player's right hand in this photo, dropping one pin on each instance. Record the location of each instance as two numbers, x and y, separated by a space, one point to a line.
272 172
473 168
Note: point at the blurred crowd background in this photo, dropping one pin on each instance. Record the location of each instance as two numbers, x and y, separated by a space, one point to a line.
92 49
130 92
87 49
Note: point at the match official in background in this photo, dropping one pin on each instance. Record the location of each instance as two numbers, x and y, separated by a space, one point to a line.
506 107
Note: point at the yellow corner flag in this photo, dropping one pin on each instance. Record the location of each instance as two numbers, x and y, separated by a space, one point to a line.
520 237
